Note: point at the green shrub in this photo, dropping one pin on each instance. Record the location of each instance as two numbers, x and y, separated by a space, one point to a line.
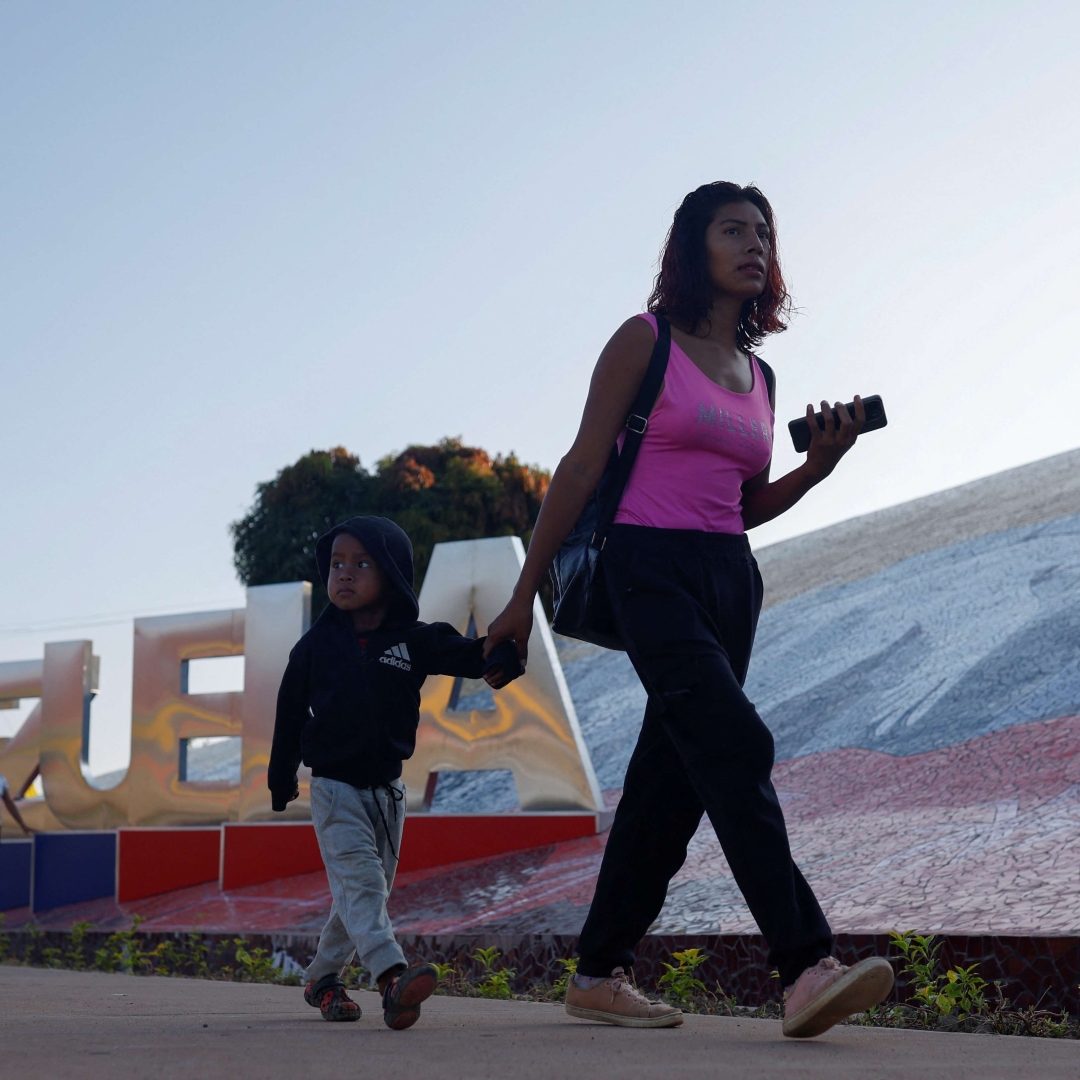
444 971
120 951
256 965
679 979
494 982
959 992
75 957
195 954
569 970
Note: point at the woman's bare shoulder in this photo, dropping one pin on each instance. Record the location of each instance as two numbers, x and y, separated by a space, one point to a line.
615 383
636 331
626 355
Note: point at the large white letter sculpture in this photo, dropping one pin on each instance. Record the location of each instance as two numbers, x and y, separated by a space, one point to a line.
533 729
154 791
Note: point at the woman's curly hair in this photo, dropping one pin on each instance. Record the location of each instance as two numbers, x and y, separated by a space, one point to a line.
683 290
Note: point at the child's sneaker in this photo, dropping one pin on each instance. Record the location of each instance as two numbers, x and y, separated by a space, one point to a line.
329 997
829 992
616 1001
403 994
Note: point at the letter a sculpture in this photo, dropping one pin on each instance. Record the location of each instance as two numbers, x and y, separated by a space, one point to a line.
533 729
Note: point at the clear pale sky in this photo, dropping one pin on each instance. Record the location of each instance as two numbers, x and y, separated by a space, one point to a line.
230 233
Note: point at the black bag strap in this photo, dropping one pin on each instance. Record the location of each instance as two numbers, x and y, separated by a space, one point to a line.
770 378
636 423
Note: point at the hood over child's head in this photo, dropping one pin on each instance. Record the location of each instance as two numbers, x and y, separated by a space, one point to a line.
392 552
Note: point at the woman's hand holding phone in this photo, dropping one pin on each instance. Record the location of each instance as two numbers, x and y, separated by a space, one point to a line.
829 444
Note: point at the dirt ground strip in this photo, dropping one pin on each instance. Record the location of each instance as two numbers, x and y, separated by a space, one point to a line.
56 1024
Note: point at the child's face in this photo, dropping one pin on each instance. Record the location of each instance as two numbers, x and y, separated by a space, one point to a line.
355 581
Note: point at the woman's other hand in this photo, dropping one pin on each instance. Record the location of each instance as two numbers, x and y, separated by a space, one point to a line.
514 623
828 446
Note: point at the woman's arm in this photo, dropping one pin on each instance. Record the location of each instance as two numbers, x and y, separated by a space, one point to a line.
615 383
762 501
28 782
13 810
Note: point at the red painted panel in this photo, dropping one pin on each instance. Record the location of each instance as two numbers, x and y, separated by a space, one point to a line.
439 839
153 861
263 852
252 854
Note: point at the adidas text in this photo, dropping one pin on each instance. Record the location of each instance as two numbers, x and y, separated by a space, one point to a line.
398 656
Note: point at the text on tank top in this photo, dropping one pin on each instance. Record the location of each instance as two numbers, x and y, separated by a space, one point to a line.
702 444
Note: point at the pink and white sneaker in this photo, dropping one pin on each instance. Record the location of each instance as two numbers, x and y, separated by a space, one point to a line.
828 992
616 1000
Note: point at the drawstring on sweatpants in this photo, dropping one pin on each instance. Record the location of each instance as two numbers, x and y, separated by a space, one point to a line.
396 795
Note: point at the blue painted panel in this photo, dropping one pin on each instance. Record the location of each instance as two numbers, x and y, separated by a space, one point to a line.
73 866
14 873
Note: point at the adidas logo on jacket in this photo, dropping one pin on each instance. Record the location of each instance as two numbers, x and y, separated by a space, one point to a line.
398 656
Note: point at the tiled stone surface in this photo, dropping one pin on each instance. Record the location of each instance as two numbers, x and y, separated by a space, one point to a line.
979 838
983 837
932 652
861 546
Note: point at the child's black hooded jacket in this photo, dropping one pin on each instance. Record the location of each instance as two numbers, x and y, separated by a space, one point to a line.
350 712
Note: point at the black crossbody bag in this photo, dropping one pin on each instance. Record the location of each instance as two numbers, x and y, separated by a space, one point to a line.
582 608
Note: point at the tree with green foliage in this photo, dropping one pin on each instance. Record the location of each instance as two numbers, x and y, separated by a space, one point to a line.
435 493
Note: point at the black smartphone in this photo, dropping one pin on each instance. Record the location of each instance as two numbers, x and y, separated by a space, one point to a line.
875 418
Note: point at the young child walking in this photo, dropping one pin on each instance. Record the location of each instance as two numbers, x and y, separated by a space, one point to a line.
348 708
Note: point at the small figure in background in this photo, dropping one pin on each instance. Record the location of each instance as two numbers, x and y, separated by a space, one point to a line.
9 802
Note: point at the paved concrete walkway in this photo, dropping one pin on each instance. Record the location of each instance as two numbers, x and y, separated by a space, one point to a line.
56 1024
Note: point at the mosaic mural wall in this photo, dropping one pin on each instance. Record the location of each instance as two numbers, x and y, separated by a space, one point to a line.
926 725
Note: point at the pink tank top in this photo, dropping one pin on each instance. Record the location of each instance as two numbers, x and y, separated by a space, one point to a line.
702 444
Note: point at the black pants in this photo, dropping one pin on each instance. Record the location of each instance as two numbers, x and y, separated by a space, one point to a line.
687 605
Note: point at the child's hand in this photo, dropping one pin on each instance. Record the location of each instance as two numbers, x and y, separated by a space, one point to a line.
295 794
496 677
504 667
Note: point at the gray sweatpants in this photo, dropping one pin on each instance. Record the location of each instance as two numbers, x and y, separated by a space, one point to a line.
360 866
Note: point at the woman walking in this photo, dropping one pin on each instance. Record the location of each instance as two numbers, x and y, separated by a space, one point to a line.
685 594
